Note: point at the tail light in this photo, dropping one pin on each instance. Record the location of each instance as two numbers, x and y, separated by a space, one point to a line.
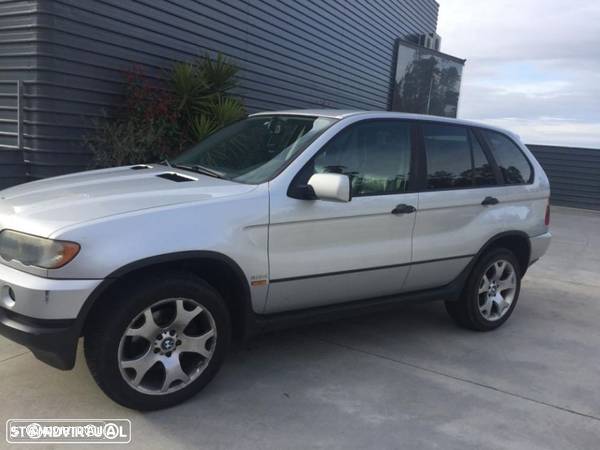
547 218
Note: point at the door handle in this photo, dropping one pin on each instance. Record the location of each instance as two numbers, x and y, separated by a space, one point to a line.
490 201
403 208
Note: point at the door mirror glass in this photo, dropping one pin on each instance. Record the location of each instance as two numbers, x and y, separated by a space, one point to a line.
331 186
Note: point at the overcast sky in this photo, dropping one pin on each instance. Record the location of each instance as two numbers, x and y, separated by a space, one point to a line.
533 66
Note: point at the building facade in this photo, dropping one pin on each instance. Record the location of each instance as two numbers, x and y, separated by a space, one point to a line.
62 61
574 174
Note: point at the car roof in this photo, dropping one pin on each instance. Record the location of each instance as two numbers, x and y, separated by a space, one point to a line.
345 113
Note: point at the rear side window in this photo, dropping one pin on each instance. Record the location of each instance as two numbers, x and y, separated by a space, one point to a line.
510 159
448 157
455 159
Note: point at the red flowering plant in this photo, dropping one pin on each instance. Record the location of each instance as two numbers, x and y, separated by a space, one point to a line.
161 116
153 109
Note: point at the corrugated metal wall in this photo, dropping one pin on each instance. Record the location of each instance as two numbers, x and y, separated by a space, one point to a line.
292 54
574 174
18 37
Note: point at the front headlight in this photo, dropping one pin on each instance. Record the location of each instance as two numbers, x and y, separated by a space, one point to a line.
36 251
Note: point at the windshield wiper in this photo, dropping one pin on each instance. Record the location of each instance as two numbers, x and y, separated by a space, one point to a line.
201 169
165 162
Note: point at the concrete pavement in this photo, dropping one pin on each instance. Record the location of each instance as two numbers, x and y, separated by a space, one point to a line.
406 379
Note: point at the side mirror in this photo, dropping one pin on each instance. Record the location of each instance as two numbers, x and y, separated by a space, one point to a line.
331 186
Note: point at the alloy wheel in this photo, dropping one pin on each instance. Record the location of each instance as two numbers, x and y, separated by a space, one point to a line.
167 346
497 289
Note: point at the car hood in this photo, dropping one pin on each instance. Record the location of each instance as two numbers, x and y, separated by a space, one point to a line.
45 206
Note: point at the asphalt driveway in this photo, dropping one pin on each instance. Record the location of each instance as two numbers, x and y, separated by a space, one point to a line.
407 379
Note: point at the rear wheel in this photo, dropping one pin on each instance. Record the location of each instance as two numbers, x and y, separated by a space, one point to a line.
490 294
157 345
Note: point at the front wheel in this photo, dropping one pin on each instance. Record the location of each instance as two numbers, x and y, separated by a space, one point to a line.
157 345
490 294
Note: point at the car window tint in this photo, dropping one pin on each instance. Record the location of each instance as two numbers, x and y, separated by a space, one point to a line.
448 154
483 175
375 154
510 159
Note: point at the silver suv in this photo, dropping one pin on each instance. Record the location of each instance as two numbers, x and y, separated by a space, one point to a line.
279 218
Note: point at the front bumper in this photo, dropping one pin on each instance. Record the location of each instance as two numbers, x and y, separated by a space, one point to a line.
43 298
51 341
41 313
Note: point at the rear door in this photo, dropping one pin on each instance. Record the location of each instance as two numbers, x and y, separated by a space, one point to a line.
453 220
323 252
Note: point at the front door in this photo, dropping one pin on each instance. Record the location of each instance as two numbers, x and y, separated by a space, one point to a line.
323 252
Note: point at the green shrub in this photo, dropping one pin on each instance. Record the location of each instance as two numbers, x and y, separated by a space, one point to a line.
158 121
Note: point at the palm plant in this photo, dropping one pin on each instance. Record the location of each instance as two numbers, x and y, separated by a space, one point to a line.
159 123
201 89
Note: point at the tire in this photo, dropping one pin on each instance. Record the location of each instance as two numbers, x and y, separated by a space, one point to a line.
479 307
168 319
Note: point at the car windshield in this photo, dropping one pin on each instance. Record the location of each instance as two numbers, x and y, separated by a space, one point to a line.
255 149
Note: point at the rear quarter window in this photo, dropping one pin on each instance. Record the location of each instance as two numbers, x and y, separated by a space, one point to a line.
511 161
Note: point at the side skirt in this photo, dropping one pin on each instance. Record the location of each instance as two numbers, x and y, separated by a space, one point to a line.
261 323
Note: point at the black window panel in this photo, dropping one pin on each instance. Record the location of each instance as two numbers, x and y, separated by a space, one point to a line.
483 173
448 153
510 159
375 154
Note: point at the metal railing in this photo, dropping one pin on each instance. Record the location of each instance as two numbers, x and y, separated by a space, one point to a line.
18 114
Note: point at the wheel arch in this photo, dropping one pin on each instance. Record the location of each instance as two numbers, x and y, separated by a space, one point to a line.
217 269
516 241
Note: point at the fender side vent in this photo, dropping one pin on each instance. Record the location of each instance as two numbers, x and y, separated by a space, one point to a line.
141 167
176 177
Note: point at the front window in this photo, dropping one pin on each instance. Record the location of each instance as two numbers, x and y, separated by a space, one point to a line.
256 149
374 153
